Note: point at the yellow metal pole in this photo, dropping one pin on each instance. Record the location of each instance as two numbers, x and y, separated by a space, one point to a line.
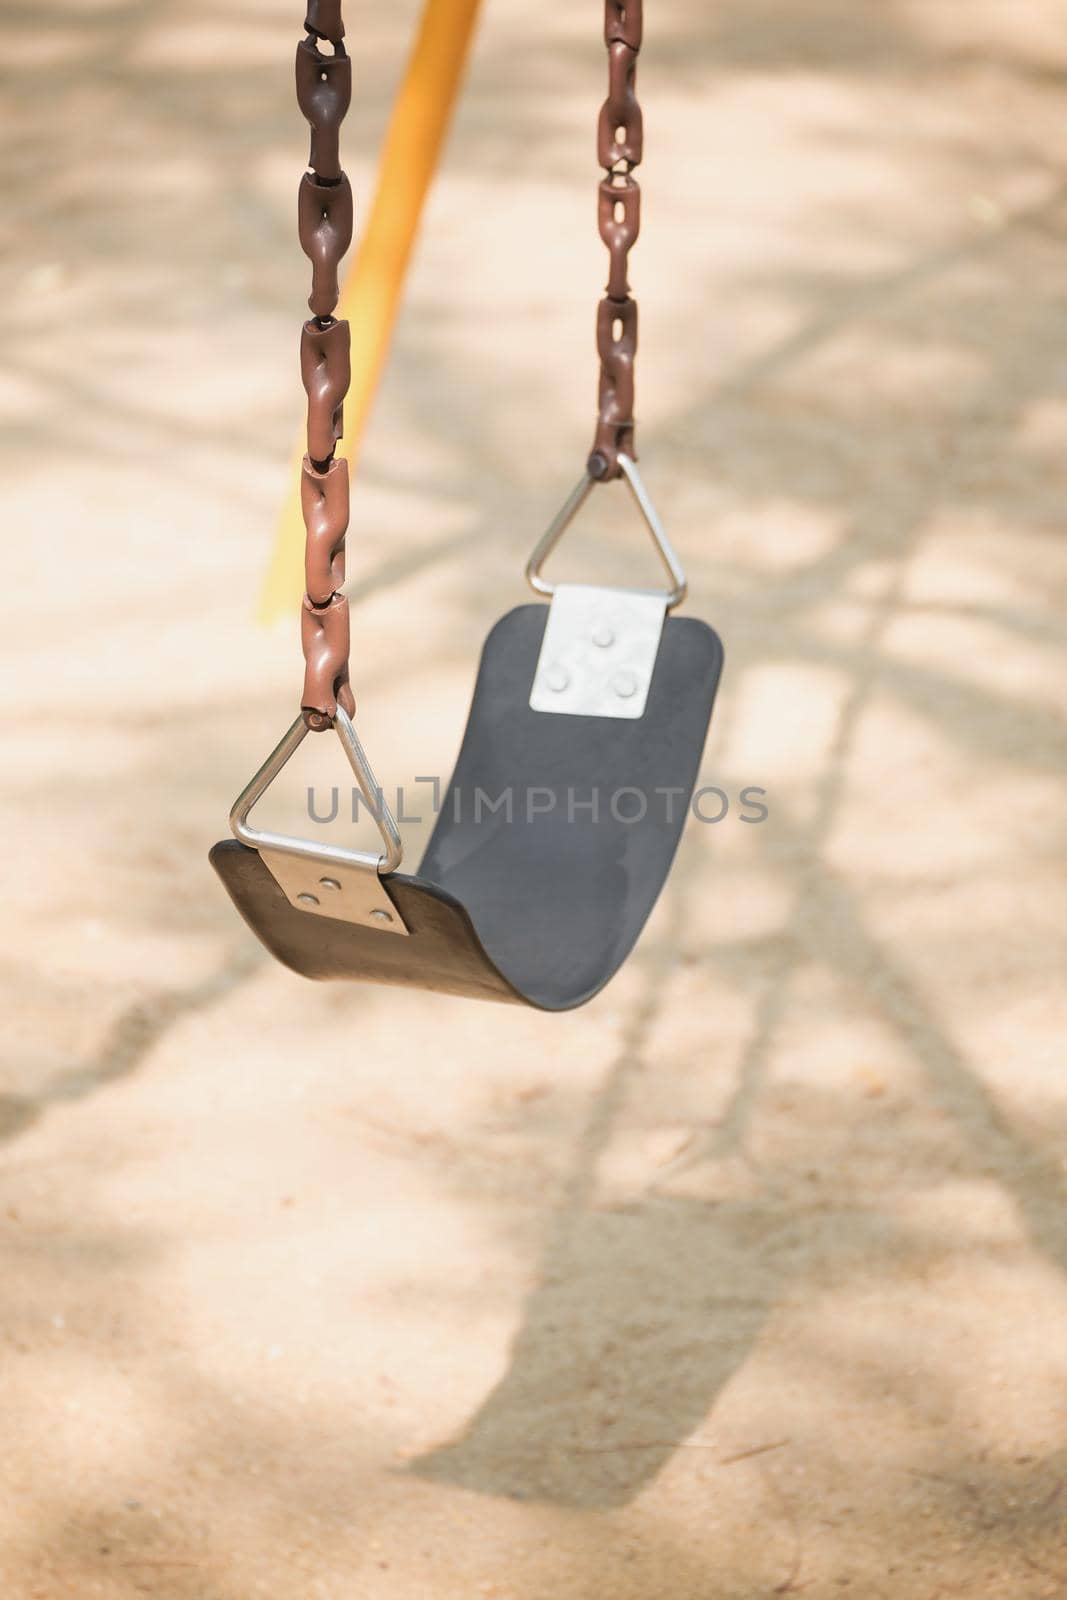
370 299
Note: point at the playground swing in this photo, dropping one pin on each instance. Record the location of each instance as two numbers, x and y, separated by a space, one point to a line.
557 830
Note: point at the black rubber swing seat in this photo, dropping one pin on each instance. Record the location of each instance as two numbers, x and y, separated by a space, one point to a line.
538 902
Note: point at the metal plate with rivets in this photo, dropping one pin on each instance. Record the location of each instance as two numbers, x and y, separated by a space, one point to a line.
331 889
599 652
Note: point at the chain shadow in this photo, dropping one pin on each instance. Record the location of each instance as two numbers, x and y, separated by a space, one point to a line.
127 1044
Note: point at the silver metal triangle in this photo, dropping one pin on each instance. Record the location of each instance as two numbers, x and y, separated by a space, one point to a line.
327 880
570 509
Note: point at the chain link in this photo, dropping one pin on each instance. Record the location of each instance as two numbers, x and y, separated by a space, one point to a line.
620 146
324 92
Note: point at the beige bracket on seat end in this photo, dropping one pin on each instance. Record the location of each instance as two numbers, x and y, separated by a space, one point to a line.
327 881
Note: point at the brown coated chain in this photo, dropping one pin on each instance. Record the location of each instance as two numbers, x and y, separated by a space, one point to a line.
620 146
324 92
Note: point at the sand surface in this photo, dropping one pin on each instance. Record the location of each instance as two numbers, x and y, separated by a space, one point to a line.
749 1280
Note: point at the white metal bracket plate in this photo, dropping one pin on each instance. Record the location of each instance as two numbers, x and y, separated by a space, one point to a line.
329 888
599 652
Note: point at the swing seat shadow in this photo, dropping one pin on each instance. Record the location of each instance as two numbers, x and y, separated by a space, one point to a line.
619 1357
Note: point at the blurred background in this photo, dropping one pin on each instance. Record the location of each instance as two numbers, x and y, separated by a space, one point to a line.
750 1278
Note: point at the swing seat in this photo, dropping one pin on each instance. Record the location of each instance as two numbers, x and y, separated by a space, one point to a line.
559 825
538 898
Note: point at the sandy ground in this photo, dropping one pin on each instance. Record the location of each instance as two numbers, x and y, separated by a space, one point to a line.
749 1279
